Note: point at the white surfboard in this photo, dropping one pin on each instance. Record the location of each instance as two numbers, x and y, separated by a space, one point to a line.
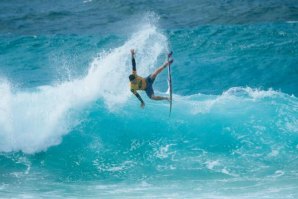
170 87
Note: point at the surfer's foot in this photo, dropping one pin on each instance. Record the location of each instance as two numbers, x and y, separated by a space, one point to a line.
167 98
169 59
153 97
170 54
168 62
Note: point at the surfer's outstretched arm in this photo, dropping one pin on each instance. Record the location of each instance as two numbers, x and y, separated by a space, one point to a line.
133 61
140 98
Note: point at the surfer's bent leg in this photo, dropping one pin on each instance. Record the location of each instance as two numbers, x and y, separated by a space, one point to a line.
149 90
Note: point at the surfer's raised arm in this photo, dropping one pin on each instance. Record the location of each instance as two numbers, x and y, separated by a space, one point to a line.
133 61
135 81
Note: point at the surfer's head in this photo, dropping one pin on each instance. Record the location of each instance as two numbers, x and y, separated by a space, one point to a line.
131 77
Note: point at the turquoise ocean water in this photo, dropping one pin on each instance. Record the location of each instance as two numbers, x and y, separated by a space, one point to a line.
69 127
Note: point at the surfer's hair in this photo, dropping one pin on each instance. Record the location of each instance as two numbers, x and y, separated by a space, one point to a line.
131 77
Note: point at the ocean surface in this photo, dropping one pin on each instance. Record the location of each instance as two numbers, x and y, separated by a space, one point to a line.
70 128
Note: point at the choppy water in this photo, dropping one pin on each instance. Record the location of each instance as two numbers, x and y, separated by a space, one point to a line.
69 127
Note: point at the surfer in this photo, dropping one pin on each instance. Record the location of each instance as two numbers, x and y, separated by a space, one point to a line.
140 83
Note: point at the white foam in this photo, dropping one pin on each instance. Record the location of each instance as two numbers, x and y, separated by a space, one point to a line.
274 153
163 151
251 93
278 173
34 121
292 22
234 95
211 164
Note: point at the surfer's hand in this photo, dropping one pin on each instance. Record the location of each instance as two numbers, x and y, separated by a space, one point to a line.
132 51
142 105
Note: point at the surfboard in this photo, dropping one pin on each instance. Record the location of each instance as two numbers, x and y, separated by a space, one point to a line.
170 89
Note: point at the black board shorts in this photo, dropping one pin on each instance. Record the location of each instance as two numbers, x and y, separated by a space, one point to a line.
149 89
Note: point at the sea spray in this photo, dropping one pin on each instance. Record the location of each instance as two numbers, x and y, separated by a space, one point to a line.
33 121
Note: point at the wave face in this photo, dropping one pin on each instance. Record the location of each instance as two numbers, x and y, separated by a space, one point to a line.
70 128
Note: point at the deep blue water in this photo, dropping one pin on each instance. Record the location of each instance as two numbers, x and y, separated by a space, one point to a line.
69 127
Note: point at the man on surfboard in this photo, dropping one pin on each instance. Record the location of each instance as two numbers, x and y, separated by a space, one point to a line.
140 83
